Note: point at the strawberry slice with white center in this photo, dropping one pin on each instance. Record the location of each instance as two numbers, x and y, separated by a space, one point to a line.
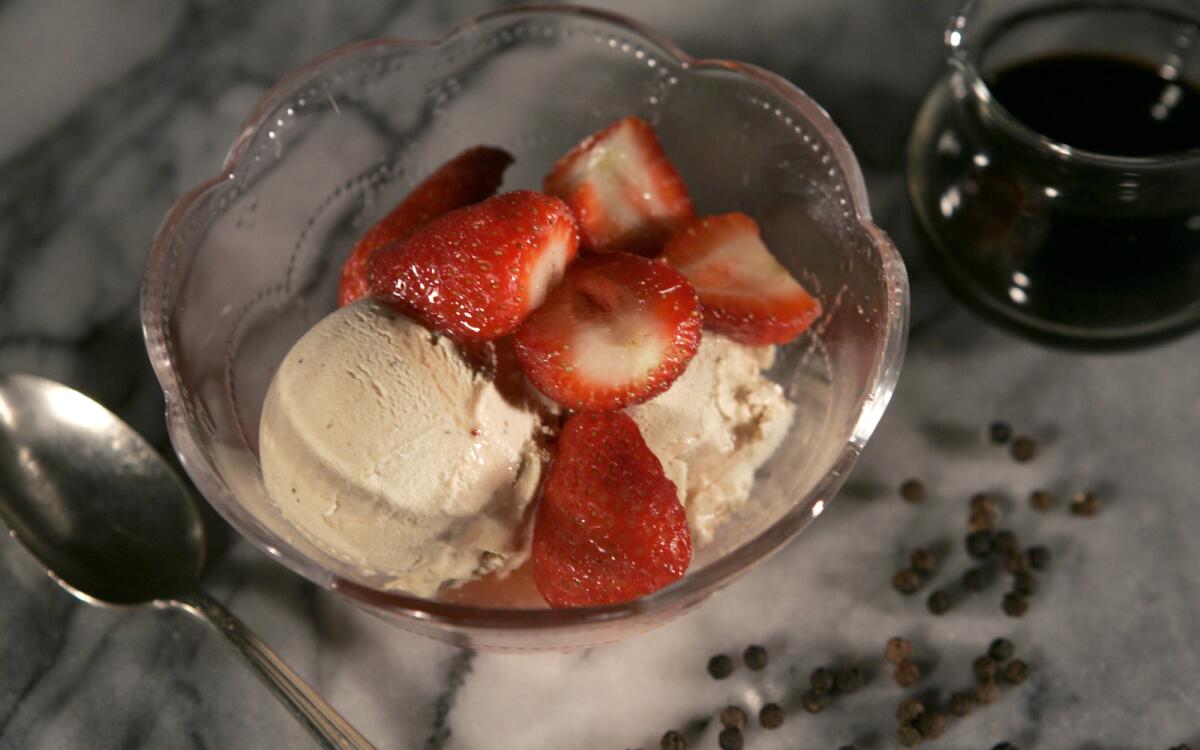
625 193
618 330
477 272
746 293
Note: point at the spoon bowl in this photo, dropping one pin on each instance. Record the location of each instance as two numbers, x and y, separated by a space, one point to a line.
135 539
114 525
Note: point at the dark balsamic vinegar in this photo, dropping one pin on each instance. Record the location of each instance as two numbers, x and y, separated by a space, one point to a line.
1107 105
1083 264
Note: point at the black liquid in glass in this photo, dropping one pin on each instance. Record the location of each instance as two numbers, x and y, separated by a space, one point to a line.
1081 263
1108 105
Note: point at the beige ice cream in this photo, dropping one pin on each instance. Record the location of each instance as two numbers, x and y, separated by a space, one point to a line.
715 425
391 452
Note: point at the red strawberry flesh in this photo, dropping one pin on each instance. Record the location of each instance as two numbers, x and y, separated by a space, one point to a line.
468 178
609 527
477 272
746 293
618 330
624 191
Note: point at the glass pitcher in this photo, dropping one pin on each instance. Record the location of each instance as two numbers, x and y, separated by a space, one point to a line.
1044 212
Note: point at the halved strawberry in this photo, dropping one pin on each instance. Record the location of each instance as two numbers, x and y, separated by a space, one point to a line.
618 330
467 178
477 272
609 527
746 293
625 193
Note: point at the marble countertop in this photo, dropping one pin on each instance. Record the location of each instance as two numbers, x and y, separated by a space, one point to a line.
116 108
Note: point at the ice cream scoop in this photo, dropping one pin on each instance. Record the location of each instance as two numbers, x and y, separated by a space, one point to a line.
715 426
391 449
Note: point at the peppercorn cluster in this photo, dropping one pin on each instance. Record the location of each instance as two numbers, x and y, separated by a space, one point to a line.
992 550
918 720
825 684
733 718
995 553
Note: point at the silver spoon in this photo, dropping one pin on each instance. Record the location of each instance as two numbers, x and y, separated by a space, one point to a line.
114 525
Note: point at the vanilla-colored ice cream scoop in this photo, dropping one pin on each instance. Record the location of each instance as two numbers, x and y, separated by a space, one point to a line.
392 451
715 426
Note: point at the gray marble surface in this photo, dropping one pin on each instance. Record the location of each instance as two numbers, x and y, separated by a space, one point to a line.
114 108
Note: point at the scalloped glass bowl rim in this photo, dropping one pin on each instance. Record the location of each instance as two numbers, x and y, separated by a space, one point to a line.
696 585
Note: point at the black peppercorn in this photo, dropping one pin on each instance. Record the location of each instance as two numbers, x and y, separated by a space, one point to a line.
847 747
731 738
908 736
906 581
815 701
974 579
1016 671
987 692
1041 500
907 673
1024 583
821 679
962 702
938 602
979 521
1004 746
912 490
733 716
1001 649
1023 449
673 740
848 680
1000 432
1016 562
1039 557
755 657
984 668
982 502
1004 542
720 666
909 710
897 650
979 544
1181 747
931 725
1085 504
923 560
1015 605
771 716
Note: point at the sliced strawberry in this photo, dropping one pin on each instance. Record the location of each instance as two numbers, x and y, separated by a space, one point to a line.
625 193
467 178
477 272
745 292
618 330
609 527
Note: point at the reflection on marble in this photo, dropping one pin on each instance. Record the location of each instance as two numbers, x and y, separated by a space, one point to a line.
115 108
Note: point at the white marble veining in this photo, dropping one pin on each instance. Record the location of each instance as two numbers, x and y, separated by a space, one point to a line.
116 108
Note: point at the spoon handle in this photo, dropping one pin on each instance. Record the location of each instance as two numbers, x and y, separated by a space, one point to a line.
324 723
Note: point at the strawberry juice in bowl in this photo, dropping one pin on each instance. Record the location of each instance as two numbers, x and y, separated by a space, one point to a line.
248 263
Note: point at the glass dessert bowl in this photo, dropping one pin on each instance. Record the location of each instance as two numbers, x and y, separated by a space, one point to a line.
246 263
